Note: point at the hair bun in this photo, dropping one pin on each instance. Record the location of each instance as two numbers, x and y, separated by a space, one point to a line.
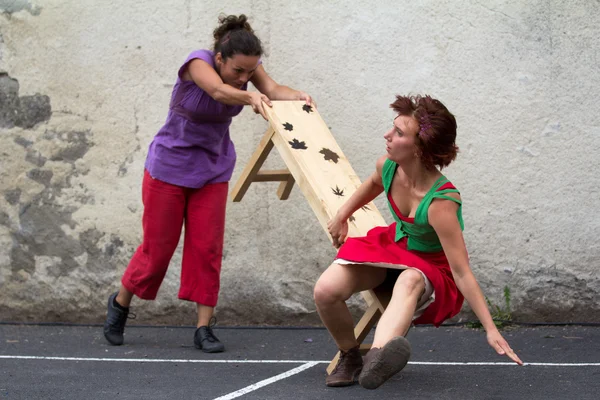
228 23
234 35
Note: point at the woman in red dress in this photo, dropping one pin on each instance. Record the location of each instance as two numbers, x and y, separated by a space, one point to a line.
422 254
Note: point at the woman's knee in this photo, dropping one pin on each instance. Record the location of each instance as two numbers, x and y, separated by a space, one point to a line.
410 281
328 289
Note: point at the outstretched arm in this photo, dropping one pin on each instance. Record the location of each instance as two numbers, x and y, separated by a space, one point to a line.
265 84
366 192
442 217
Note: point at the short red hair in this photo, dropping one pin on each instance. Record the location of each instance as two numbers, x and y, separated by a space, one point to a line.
436 144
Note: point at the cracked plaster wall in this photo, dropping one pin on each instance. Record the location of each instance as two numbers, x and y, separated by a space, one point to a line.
84 86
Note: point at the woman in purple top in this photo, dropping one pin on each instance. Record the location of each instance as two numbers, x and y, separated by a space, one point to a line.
189 164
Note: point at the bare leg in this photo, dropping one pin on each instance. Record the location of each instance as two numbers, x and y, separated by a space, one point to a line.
205 313
398 315
333 288
124 297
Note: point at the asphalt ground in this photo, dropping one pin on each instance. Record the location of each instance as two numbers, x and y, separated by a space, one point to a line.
75 362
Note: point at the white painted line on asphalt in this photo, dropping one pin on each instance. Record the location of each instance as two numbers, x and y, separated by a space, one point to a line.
268 381
165 360
162 360
509 364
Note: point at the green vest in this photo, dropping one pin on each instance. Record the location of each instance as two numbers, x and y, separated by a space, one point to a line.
421 235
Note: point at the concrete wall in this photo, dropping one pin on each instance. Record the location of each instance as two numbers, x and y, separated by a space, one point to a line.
84 86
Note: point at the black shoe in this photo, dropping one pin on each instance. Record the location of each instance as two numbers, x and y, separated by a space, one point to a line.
116 317
205 339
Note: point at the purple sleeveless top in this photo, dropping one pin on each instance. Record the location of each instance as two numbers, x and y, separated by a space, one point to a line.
193 148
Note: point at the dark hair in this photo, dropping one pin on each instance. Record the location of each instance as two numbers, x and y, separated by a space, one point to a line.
436 144
234 35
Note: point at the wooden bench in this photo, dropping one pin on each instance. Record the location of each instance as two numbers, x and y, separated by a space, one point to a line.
315 161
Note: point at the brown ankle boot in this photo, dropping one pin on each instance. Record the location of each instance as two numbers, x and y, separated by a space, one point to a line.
382 363
347 369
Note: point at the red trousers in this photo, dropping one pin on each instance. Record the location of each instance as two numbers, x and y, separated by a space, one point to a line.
166 209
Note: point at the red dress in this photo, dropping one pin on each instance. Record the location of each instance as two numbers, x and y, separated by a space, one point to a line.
379 246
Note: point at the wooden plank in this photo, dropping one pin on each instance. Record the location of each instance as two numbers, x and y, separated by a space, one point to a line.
366 322
254 164
275 175
318 164
364 348
285 188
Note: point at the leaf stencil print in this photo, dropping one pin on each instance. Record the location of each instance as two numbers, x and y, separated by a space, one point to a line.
330 155
288 127
337 191
297 144
307 108
365 208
